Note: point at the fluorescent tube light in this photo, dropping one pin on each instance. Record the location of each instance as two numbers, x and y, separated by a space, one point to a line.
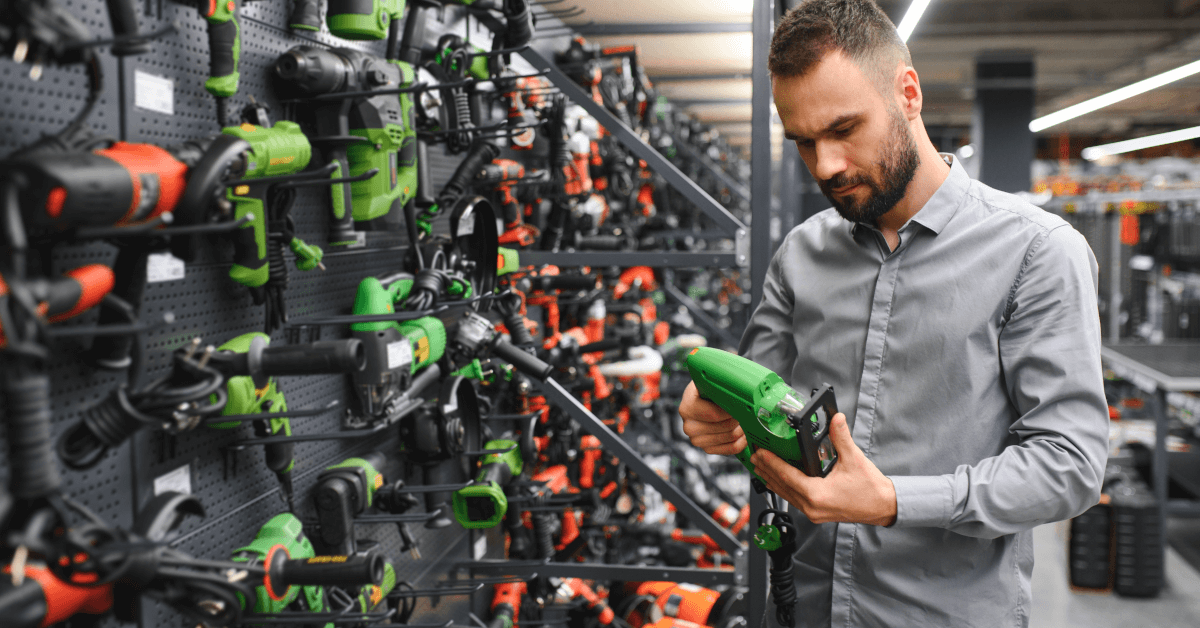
1115 96
915 10
1096 152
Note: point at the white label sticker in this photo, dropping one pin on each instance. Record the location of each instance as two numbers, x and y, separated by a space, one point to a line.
480 547
179 480
163 267
399 353
155 93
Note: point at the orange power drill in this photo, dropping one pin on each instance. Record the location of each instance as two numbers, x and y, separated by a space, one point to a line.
44 600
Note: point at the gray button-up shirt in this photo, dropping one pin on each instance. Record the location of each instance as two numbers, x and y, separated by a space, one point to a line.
967 362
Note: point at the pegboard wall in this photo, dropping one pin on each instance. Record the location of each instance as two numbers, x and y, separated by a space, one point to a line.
238 492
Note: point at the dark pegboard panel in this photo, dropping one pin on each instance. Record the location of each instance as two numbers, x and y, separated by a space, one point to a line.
237 490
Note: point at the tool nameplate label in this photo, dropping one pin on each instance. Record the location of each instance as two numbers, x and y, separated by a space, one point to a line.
153 93
399 353
163 267
178 480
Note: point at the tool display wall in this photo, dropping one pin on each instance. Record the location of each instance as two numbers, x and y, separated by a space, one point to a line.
158 97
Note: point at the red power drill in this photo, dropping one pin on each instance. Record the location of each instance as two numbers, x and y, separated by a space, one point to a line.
43 600
504 174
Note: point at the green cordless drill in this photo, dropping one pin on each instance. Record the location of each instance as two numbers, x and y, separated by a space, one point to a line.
482 503
773 415
256 391
359 132
347 489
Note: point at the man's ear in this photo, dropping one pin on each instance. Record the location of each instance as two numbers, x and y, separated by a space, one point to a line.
908 92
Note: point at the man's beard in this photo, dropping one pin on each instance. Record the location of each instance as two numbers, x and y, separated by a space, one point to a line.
896 171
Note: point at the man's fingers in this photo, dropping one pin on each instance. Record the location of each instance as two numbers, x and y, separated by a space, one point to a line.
708 440
692 407
731 449
699 428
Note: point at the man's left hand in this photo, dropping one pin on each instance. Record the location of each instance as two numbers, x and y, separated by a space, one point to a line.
854 492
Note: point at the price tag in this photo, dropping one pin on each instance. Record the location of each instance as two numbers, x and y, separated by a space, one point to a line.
466 224
163 267
179 480
399 353
153 93
480 547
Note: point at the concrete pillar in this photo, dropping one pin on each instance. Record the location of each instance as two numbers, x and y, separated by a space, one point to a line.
1000 124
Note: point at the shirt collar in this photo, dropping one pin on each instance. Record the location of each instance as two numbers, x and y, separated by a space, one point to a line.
944 203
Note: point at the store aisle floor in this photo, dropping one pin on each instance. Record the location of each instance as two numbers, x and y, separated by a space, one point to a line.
1056 606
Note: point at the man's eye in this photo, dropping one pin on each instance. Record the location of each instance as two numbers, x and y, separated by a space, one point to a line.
805 143
844 132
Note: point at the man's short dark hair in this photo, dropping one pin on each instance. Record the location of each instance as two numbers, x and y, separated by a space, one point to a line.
857 28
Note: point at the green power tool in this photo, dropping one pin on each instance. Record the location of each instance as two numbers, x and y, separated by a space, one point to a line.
397 351
348 489
360 131
285 533
773 415
482 503
292 568
348 19
256 391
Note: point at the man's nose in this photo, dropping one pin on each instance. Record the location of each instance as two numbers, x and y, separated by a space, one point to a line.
831 161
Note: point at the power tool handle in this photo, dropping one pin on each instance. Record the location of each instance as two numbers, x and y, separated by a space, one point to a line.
570 283
223 55
125 25
306 15
523 361
329 570
322 357
33 467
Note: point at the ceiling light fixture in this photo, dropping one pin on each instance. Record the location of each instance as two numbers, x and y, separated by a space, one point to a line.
1115 96
1096 152
915 10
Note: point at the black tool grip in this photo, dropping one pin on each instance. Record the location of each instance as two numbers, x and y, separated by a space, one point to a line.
601 243
564 282
326 356
608 344
519 19
125 28
526 363
306 15
481 153
335 570
33 468
222 40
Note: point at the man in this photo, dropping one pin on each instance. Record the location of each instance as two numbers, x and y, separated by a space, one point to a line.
959 328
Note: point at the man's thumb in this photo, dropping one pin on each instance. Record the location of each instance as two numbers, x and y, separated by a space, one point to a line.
839 433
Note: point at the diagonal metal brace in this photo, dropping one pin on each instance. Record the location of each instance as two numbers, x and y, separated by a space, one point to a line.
659 164
612 443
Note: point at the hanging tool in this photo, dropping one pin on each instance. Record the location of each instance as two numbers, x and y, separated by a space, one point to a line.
358 130
258 392
351 487
483 502
236 380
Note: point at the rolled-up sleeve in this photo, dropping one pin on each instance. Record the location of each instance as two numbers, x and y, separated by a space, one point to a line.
1049 348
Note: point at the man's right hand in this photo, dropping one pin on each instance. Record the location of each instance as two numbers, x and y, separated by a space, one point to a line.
708 426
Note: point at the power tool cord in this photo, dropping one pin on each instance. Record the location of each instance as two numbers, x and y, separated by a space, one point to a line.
783 589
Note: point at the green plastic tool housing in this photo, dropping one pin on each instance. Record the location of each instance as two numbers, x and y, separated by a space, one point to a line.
772 415
283 530
483 504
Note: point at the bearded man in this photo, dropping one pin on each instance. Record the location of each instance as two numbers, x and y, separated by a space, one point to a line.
959 328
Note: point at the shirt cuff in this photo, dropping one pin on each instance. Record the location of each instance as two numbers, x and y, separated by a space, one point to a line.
922 501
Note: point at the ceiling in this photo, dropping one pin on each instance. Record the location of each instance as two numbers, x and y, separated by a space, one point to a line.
1081 48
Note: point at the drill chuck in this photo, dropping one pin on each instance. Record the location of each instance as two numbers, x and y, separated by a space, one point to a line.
313 70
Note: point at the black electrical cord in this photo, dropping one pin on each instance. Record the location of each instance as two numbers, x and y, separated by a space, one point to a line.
782 579
200 388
